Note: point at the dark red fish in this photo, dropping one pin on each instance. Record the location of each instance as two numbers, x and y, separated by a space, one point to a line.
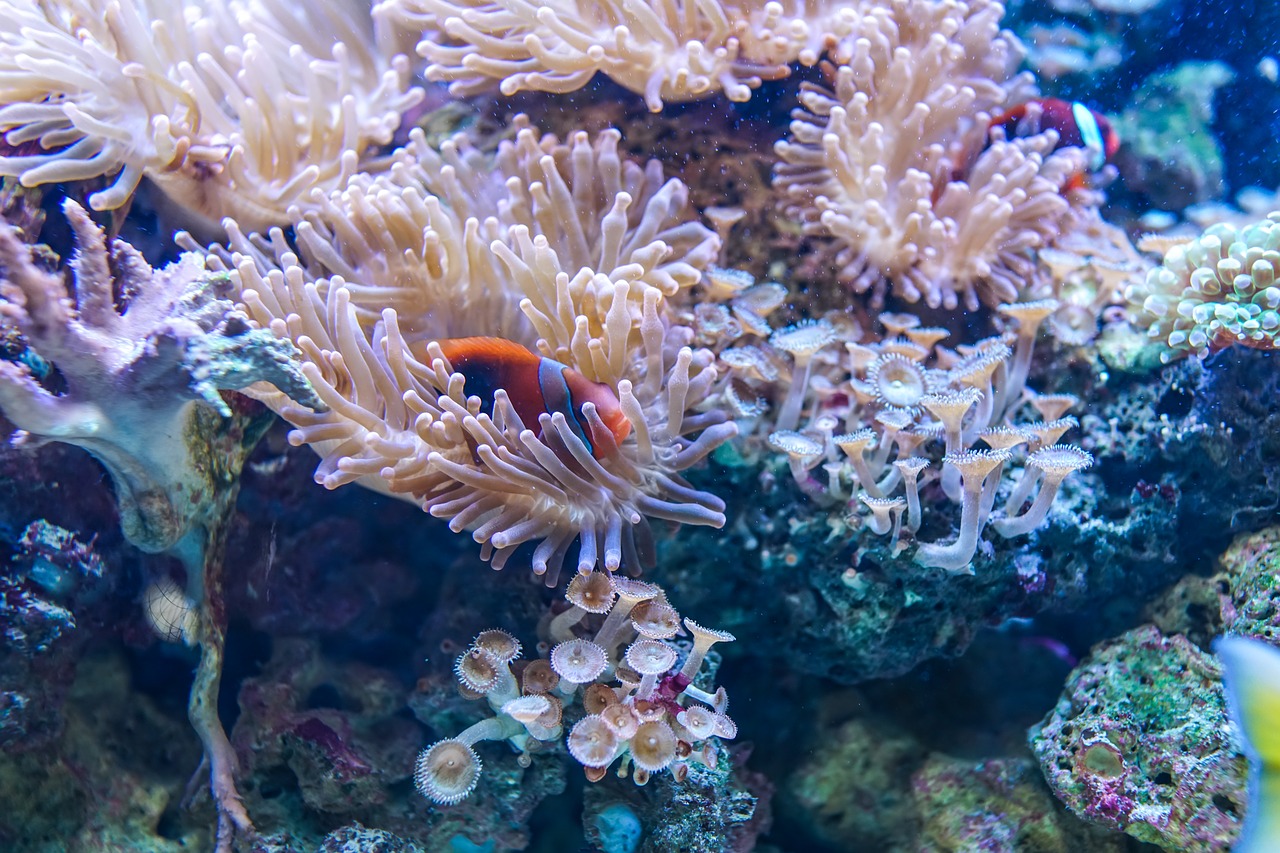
537 385
1077 127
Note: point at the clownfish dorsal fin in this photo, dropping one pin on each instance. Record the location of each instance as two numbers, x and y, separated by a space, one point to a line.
484 348
1252 679
1090 135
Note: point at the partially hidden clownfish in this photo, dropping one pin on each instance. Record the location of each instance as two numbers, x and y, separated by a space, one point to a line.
536 385
1077 127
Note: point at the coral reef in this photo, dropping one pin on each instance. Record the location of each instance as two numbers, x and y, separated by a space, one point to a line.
720 807
660 709
562 277
141 392
52 581
1000 805
857 789
1240 598
1175 439
895 398
344 758
1140 742
111 780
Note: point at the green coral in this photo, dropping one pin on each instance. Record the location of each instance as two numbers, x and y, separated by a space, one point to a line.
856 788
999 805
1170 152
1140 741
1217 290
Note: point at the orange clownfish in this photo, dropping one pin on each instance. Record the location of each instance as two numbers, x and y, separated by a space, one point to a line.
537 385
1077 127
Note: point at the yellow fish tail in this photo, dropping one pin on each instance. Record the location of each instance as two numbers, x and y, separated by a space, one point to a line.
1252 670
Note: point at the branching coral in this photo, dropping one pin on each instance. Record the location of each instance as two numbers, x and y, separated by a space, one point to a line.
1215 291
231 107
140 392
893 160
562 248
138 381
652 718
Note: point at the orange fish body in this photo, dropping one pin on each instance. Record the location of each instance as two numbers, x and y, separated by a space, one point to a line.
1077 127
537 385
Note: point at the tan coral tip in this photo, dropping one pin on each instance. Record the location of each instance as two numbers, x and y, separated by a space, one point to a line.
592 742
597 697
897 381
538 677
593 592
526 709
1060 459
1029 314
478 670
927 336
578 661
650 657
630 589
803 340
1054 406
555 711
897 323
499 643
725 727
622 719
656 620
698 721
1002 437
795 444
653 746
447 772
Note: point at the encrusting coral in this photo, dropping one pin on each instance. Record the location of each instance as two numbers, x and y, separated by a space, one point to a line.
652 718
1140 741
562 248
231 107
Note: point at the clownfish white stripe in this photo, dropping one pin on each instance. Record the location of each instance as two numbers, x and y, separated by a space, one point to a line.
1091 135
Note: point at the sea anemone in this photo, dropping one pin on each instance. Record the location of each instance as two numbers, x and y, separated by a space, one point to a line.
566 249
229 108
